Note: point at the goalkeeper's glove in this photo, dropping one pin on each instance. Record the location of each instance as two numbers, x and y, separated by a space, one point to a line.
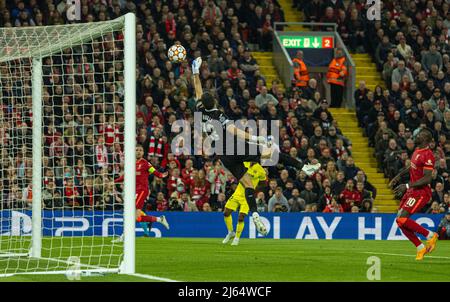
260 140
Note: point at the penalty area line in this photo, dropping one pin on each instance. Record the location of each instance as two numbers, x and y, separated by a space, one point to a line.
404 255
150 277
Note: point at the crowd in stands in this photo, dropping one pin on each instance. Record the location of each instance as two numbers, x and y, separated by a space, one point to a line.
84 140
411 50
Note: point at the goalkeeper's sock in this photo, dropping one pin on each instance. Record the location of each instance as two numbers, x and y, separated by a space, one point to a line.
145 226
251 200
239 228
148 219
290 161
229 223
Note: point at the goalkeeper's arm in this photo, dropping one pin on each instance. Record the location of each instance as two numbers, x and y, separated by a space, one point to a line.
196 75
198 87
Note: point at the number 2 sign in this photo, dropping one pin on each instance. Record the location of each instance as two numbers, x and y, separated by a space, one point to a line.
327 42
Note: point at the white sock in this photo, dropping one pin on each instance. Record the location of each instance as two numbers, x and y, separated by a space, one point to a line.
421 246
430 234
158 219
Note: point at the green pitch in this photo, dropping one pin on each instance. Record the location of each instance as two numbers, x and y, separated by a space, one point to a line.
185 259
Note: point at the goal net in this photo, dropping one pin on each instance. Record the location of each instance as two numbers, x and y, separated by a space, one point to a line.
67 108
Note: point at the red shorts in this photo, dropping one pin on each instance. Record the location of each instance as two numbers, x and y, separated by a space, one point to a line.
414 200
141 197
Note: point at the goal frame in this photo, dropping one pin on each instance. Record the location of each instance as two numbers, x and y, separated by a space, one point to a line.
127 265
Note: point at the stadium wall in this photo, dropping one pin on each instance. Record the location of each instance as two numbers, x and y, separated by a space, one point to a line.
209 225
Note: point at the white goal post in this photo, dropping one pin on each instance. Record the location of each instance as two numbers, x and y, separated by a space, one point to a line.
75 86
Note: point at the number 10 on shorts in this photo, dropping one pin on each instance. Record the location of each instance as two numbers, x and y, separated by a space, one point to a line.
410 202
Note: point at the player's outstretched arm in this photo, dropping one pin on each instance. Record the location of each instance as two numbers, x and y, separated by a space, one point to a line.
198 87
196 73
152 170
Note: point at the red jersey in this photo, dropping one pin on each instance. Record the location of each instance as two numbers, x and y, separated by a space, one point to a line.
143 171
422 159
109 134
351 196
415 199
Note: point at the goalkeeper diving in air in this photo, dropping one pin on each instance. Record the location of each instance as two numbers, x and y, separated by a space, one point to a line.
235 163
143 170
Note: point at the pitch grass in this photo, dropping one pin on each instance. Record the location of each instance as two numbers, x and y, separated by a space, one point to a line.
184 259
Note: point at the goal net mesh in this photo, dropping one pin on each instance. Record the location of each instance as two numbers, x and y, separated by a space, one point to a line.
82 146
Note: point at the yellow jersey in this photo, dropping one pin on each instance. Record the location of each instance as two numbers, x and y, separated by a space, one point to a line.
238 200
258 174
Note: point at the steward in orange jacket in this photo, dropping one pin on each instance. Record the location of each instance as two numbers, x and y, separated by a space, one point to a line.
301 75
337 71
336 75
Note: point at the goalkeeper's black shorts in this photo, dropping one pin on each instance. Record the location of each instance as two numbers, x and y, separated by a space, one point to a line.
235 163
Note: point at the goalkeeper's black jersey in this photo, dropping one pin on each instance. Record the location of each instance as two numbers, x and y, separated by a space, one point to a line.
214 124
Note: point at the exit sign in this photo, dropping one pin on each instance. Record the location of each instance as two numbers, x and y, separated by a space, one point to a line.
307 42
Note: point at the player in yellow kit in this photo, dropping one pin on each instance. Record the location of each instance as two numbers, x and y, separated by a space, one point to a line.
238 200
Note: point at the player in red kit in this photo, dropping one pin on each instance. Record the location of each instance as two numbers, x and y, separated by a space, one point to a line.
416 194
143 171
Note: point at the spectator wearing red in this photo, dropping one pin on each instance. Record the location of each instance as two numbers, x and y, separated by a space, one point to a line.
161 202
174 182
187 170
101 153
172 159
234 72
71 194
200 190
110 131
333 207
349 197
88 193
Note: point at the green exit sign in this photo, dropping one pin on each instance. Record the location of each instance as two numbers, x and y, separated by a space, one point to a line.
307 41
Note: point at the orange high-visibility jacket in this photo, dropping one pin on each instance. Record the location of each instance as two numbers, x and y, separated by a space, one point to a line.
337 72
301 74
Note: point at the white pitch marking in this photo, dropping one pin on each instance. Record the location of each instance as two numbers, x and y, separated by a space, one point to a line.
150 277
404 255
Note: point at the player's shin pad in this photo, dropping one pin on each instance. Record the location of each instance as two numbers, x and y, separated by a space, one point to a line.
250 197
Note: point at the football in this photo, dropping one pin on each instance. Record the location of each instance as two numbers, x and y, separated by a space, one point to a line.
176 53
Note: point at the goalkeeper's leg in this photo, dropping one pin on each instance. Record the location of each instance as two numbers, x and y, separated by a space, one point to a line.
290 161
270 148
